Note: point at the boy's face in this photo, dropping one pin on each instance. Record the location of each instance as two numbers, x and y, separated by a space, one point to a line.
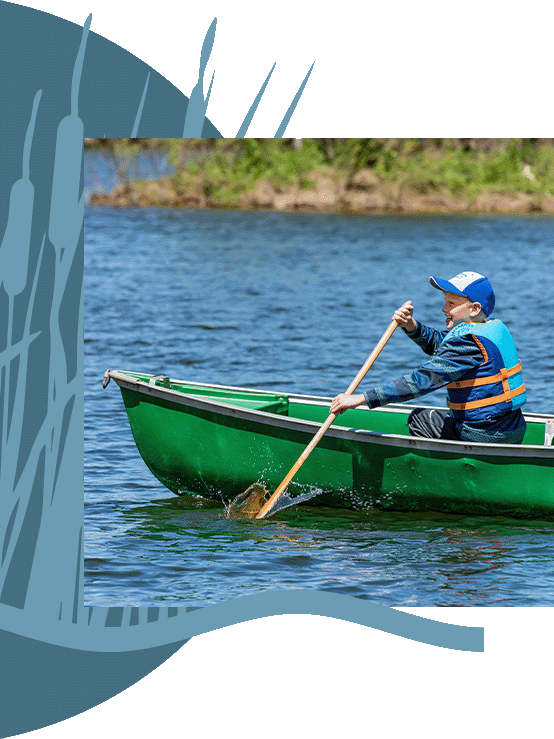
458 308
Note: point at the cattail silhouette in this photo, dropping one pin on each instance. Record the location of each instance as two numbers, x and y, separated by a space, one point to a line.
8 486
65 225
66 210
14 252
140 108
248 119
292 107
47 457
197 106
15 248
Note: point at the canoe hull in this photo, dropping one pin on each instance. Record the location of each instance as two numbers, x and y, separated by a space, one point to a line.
214 449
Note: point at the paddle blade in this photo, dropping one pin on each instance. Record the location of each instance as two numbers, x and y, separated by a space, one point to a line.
248 504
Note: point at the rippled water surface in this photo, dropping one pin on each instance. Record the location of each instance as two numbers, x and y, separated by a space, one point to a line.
294 302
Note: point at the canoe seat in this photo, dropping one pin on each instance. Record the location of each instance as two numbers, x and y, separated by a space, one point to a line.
549 432
276 406
272 405
280 406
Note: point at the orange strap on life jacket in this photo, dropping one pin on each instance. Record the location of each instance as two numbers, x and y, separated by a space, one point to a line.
507 396
502 375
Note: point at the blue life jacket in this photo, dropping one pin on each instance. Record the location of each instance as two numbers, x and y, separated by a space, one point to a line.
496 385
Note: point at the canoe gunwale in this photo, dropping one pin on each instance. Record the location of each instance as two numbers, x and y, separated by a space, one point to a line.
455 448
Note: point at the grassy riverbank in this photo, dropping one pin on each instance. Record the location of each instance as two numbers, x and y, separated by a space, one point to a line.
345 175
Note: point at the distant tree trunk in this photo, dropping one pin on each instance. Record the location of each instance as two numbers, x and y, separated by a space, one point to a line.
329 149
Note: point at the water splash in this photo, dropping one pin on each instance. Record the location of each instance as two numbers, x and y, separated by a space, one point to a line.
249 503
286 500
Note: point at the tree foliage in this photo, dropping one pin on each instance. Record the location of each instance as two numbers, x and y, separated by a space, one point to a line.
460 166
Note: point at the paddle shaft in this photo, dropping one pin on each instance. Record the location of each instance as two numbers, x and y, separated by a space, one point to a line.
268 505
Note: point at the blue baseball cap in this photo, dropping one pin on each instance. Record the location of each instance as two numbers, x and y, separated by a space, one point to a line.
471 285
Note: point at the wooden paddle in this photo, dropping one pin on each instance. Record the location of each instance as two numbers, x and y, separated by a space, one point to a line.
268 505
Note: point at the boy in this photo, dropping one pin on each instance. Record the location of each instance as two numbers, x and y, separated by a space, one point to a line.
475 358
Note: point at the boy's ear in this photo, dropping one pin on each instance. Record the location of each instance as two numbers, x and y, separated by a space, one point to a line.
476 309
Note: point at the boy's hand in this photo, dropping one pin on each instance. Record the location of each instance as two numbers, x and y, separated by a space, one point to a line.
404 317
343 401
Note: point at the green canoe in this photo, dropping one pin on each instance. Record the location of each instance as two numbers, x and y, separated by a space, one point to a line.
215 441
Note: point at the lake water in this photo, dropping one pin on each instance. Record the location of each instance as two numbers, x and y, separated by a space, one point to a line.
294 302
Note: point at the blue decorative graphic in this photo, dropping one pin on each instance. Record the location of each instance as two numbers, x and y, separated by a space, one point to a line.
71 83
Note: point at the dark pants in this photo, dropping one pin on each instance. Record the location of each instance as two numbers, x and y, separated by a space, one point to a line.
432 424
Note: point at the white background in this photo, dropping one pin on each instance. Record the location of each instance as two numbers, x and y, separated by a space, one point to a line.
310 676
402 69
392 69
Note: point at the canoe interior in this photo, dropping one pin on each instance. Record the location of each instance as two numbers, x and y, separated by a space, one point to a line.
391 420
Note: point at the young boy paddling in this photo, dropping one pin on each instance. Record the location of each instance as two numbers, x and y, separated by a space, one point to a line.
475 358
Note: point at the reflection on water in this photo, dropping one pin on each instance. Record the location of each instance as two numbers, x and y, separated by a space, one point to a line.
294 302
391 558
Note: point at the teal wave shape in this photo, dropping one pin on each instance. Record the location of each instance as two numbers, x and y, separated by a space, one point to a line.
120 629
124 644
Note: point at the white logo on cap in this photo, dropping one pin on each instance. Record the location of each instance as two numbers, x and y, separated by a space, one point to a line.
464 279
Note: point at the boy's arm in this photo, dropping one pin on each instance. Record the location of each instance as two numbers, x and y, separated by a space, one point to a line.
426 337
455 357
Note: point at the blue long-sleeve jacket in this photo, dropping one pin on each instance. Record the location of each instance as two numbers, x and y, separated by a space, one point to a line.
448 362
